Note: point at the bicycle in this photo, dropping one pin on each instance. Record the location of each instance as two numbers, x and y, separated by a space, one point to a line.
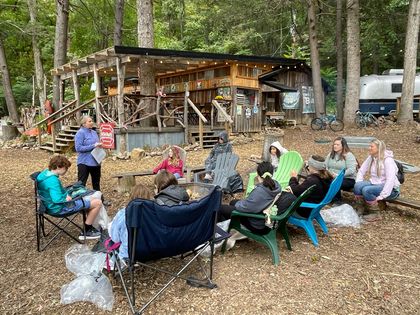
321 123
365 119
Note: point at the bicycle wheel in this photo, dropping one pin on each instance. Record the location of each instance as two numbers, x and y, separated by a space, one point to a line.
336 125
360 121
317 124
372 120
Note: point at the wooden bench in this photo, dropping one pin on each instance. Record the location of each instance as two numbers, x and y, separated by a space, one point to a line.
401 201
126 181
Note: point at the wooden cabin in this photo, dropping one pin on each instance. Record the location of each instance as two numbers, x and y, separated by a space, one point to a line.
198 93
287 92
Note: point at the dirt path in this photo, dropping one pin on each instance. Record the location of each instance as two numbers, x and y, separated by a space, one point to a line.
371 270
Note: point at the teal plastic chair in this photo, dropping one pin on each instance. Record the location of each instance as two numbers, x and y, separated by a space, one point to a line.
289 161
307 223
279 223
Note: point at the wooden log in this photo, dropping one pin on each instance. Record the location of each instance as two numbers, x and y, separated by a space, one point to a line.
9 132
126 183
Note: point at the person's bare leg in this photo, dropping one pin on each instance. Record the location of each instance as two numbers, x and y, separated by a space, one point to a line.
95 206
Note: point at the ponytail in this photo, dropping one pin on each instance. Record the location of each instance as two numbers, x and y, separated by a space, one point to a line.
265 171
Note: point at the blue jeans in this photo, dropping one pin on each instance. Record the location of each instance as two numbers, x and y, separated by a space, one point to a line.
75 205
177 176
370 191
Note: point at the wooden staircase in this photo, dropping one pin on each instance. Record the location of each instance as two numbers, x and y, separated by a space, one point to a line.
64 140
210 137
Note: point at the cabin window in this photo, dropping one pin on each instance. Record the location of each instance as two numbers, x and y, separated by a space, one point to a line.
244 71
396 87
222 72
209 74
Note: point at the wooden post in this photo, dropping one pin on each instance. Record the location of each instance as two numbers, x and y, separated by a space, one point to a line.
53 137
39 135
159 122
120 104
76 90
97 81
187 94
200 131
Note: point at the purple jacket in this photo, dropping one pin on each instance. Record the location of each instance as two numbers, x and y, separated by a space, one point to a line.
388 176
84 142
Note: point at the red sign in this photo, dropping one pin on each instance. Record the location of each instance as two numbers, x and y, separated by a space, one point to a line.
107 135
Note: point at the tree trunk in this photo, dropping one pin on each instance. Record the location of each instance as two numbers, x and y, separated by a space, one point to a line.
39 71
119 18
7 86
315 65
353 62
60 45
293 32
146 67
340 61
410 55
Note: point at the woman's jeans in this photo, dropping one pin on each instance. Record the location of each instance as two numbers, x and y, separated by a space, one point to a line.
370 191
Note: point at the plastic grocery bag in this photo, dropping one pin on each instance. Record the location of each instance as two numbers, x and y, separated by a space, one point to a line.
224 225
343 215
95 288
91 285
80 260
102 219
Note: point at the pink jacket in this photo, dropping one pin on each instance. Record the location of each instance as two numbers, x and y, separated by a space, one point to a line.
165 165
388 176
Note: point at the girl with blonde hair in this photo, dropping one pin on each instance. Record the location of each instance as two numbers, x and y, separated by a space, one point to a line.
381 170
172 164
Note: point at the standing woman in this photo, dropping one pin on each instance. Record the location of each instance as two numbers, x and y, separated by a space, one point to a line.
86 140
340 158
382 171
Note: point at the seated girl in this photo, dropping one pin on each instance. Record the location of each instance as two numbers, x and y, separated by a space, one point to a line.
57 201
172 164
258 200
276 150
168 192
340 158
118 229
318 176
382 171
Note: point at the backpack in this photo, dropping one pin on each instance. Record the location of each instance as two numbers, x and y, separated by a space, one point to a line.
400 174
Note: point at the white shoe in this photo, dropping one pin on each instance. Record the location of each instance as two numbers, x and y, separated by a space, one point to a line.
208 177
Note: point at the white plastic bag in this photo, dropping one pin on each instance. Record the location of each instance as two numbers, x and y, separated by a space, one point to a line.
80 260
102 219
95 288
343 215
224 225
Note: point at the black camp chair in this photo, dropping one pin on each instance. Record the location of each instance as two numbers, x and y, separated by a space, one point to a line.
50 226
158 231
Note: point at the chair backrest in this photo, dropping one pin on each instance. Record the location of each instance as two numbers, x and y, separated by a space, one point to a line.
332 191
289 161
296 204
39 205
157 231
182 155
225 167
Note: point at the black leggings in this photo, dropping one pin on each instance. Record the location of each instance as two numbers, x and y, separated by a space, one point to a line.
83 172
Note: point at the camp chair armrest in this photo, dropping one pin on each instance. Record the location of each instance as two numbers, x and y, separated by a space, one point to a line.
309 205
248 215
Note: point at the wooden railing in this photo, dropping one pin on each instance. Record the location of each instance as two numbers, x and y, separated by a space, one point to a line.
202 120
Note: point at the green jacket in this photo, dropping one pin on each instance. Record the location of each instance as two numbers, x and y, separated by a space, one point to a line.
52 191
349 163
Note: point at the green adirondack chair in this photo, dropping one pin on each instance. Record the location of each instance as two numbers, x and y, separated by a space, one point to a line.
279 223
289 161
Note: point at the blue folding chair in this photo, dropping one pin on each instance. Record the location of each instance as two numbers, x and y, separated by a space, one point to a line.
159 231
307 223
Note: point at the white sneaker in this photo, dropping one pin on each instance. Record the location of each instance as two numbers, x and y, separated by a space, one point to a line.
208 177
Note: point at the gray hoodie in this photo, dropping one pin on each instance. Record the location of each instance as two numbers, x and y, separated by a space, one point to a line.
218 148
172 195
258 200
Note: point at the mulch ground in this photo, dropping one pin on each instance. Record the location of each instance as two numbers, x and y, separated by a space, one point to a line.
371 270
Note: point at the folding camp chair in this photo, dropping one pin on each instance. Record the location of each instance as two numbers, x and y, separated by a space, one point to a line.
225 168
158 231
50 226
289 161
279 223
307 223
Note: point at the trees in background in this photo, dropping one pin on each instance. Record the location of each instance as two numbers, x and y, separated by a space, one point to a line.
274 28
353 62
410 58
